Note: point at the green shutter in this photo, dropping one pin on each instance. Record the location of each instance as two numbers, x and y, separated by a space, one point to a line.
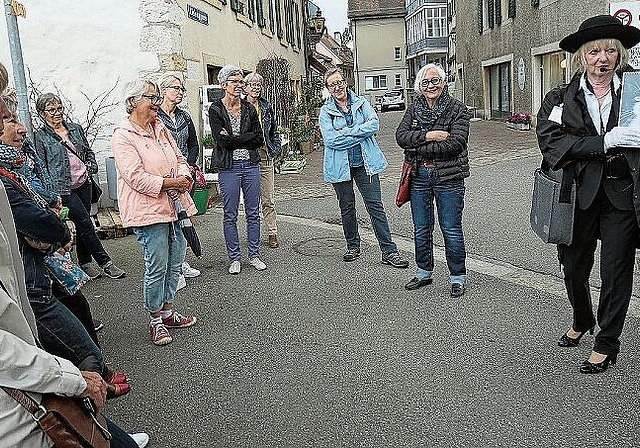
512 8
498 6
480 22
491 11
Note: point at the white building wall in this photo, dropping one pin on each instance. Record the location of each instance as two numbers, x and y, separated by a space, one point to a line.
85 46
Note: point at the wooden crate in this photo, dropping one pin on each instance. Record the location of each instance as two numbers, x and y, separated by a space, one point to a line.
109 224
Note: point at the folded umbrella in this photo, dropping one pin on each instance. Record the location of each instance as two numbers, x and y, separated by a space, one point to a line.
187 227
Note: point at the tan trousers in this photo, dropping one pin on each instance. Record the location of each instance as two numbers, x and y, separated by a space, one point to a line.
269 215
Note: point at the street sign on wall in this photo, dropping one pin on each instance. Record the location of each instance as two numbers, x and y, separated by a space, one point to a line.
629 14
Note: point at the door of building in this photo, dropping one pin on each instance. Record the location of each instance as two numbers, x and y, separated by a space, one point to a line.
500 90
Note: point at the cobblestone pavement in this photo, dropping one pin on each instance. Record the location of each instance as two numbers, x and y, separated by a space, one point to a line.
489 142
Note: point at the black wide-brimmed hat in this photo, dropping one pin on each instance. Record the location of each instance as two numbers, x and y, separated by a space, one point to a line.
601 27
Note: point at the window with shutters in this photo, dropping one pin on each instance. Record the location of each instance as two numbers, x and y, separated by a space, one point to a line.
480 16
298 35
251 9
272 17
260 14
498 6
491 13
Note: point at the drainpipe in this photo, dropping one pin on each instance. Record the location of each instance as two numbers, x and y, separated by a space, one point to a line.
18 68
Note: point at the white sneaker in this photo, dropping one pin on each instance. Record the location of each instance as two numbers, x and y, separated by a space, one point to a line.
258 264
181 282
141 439
188 271
235 267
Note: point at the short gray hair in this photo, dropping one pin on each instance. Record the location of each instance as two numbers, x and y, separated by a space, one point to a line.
11 100
45 99
4 78
134 90
253 75
227 71
332 71
423 71
165 80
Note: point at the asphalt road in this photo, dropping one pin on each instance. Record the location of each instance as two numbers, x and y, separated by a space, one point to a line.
315 352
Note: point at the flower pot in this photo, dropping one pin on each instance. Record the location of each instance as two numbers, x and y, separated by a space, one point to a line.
519 126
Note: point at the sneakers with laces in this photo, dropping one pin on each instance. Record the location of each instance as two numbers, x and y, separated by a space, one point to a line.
188 271
177 320
257 263
92 272
234 268
351 254
141 439
113 271
159 335
395 259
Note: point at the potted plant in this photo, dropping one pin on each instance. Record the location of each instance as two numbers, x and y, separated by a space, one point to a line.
520 121
208 141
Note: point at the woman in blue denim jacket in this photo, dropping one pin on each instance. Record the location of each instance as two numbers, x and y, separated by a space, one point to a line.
351 153
70 162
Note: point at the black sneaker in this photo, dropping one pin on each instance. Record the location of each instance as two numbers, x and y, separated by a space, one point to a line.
113 271
395 259
351 254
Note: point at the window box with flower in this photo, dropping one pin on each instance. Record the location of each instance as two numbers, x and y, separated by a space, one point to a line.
519 121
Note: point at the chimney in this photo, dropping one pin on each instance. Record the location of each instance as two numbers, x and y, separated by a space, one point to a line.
337 36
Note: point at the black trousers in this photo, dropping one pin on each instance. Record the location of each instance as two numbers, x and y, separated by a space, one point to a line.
79 306
618 231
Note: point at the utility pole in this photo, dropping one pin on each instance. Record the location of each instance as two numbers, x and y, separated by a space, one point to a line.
13 9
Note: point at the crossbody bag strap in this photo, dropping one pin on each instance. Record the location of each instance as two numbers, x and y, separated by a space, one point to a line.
25 400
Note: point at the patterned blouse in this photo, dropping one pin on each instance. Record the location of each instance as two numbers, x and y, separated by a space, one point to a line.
240 153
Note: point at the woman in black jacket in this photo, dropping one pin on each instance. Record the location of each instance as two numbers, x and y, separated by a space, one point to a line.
434 133
578 133
236 128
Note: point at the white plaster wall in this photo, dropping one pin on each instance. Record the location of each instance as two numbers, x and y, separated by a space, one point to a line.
83 45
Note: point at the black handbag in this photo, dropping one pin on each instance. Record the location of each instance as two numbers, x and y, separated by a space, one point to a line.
553 205
96 191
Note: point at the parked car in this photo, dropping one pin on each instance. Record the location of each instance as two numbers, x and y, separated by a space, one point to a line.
394 99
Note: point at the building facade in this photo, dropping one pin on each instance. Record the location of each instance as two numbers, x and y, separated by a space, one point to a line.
145 38
379 46
508 57
427 34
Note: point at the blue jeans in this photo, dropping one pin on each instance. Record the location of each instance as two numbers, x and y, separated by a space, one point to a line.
449 198
87 242
62 334
246 176
369 187
163 248
119 437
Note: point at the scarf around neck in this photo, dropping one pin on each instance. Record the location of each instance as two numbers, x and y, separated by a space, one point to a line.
427 116
10 160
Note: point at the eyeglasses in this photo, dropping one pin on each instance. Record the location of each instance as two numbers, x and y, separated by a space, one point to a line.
238 82
57 110
177 89
432 81
154 99
337 84
255 85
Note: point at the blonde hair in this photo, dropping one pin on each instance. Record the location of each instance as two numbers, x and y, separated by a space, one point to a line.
579 59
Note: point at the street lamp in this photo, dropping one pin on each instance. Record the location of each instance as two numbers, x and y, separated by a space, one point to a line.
316 28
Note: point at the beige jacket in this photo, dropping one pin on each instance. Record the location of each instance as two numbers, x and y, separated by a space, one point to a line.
143 161
23 365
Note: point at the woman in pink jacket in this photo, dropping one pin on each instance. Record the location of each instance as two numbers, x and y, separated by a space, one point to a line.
150 167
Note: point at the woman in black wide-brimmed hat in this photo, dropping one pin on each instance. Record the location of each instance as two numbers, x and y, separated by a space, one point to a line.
578 132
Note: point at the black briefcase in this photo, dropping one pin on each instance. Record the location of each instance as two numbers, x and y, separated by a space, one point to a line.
552 206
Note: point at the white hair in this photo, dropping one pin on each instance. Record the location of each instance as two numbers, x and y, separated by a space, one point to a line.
423 71
228 71
167 79
134 90
253 75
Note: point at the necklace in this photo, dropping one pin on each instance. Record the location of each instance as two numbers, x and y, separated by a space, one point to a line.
148 129
603 95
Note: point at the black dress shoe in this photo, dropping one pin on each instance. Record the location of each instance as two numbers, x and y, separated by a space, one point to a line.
566 341
457 289
416 283
598 367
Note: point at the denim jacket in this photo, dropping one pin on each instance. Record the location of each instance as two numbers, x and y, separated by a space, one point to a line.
270 129
338 138
53 152
40 224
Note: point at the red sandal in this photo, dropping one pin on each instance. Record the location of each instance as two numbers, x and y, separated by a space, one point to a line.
117 390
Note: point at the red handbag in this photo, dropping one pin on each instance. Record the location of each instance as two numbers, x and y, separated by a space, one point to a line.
404 187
